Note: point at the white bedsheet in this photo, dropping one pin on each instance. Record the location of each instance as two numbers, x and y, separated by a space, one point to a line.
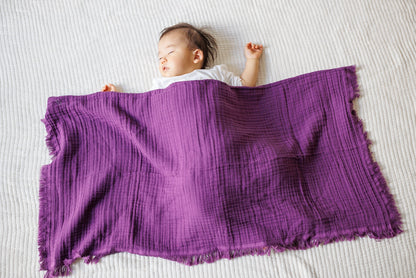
50 48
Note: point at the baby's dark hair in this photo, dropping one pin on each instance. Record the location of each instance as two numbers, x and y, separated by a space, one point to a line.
197 38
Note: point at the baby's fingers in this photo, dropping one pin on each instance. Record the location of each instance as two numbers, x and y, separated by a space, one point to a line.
257 46
253 46
253 50
108 87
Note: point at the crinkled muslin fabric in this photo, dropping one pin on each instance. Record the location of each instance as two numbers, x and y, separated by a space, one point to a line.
201 171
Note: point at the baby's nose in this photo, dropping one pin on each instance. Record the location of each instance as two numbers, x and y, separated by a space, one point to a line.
163 60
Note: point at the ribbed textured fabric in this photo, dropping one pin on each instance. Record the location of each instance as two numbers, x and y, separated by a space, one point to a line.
201 171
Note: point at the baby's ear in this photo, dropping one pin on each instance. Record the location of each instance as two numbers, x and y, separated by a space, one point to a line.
198 56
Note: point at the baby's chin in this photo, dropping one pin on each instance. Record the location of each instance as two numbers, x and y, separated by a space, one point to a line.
172 73
167 73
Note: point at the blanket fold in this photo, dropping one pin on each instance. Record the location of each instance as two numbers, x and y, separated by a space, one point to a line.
201 171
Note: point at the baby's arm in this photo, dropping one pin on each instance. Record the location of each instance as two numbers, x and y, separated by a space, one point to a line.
253 53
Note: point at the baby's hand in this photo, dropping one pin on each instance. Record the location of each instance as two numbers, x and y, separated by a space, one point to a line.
109 87
253 51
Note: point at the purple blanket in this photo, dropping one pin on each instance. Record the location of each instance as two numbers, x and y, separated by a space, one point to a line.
201 171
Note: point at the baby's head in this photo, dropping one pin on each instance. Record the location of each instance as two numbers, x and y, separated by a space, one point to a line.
183 49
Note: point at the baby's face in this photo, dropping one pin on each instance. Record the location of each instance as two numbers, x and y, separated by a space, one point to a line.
175 58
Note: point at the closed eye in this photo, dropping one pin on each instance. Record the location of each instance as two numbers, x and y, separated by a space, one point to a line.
160 58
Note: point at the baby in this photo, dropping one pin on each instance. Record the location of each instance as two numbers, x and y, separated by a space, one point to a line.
185 53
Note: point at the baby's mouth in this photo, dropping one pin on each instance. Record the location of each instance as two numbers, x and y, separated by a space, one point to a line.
165 68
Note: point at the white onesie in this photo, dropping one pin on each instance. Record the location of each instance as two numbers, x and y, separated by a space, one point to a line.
218 72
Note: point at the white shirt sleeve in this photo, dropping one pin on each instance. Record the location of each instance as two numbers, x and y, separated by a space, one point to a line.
227 76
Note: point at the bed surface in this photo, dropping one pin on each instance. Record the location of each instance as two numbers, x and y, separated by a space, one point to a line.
53 48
